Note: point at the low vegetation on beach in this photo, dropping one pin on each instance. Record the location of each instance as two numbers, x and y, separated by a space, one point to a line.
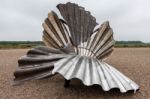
30 44
131 44
19 44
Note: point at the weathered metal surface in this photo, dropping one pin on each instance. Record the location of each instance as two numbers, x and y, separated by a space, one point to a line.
75 50
92 71
81 27
80 22
38 63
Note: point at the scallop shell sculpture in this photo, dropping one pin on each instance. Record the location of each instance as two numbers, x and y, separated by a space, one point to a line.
75 49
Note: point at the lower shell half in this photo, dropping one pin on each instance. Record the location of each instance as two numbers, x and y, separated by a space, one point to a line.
92 71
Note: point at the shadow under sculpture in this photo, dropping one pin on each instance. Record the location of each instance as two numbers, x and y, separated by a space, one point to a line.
74 49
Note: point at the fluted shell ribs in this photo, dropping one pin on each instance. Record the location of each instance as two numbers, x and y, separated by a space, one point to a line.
75 50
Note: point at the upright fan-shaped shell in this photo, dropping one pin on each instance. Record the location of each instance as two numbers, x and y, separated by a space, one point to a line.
55 33
101 43
80 34
80 22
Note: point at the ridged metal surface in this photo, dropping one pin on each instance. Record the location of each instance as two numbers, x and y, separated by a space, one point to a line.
78 30
75 50
38 63
80 22
92 71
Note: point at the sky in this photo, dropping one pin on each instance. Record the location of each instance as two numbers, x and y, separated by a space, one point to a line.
21 20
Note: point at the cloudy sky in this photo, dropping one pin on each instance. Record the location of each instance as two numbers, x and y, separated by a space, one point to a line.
22 19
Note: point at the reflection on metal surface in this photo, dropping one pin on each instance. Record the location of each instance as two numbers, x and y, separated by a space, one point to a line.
92 71
75 50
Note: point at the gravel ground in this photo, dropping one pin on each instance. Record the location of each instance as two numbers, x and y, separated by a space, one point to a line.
133 62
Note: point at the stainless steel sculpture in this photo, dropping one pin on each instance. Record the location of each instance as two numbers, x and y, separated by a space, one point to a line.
75 50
